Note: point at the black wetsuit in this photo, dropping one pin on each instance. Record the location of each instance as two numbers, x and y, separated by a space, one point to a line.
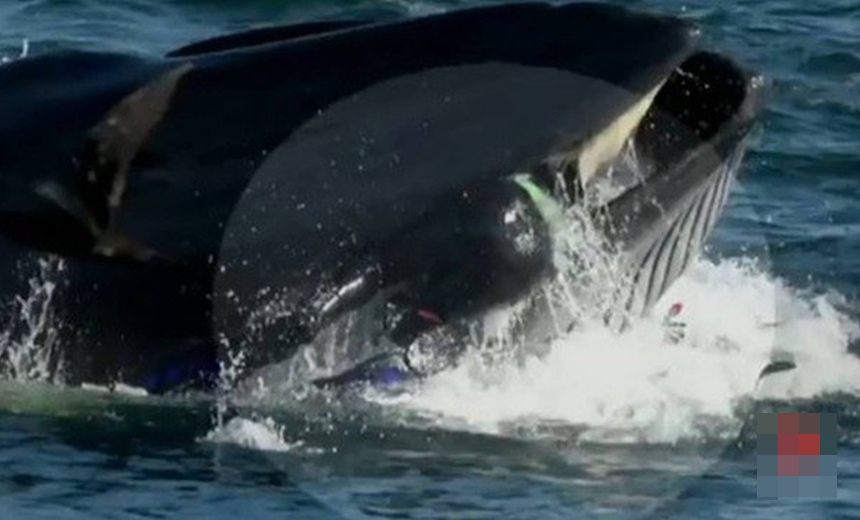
488 246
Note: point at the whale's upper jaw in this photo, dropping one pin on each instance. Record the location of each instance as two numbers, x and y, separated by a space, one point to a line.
629 56
689 146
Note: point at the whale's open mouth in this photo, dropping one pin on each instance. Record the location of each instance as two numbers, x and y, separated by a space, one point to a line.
674 157
663 170
283 177
689 148
700 100
708 102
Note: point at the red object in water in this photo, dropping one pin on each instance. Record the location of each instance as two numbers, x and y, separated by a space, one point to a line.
676 309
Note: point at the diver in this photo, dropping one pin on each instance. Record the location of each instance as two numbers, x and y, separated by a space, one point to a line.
503 229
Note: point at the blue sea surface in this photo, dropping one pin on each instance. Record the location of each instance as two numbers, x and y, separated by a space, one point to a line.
544 446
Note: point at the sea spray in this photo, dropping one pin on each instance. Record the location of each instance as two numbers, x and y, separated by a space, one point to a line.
30 341
25 51
571 355
634 386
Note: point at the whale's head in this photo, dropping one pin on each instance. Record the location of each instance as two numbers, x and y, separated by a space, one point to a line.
283 163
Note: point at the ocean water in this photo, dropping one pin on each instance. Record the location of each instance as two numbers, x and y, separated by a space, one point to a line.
604 426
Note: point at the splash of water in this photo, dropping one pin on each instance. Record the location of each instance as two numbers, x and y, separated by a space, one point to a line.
636 386
561 358
25 51
263 435
30 342
642 383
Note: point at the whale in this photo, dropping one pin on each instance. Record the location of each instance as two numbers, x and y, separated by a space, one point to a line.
249 190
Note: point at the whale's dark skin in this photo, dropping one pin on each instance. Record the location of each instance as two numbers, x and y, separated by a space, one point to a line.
303 157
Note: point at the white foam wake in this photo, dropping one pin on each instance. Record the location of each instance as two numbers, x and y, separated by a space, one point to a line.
637 386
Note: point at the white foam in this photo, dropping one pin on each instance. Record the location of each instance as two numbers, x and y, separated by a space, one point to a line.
264 435
119 388
638 386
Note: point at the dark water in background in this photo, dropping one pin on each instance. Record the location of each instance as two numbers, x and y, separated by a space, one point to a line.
80 455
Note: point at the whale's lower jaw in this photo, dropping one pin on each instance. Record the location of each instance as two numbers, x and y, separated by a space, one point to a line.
659 259
690 154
